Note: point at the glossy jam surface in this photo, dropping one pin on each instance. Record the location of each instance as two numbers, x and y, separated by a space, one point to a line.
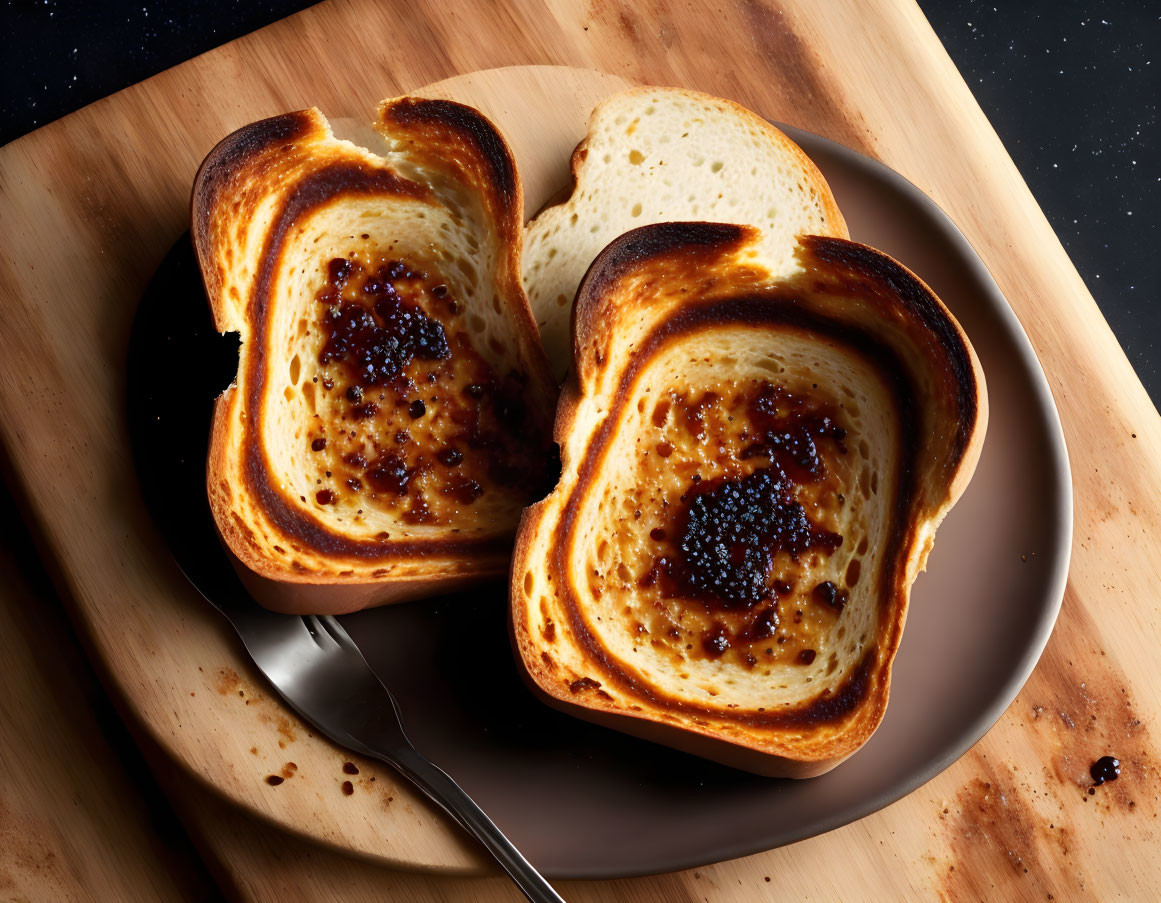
376 331
410 418
728 532
1106 768
729 535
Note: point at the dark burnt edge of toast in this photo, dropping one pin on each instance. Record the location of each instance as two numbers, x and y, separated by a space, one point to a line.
703 243
468 127
502 190
335 180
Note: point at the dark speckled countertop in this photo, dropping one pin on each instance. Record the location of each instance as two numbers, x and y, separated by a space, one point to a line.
1072 88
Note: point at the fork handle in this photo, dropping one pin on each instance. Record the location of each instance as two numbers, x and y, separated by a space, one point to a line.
441 789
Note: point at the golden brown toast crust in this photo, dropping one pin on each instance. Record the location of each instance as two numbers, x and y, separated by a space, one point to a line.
670 282
278 173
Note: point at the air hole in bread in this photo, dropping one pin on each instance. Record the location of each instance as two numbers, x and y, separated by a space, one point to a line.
636 211
636 157
295 370
716 166
529 583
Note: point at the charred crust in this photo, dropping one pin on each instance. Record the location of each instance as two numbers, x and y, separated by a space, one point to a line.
470 126
696 242
235 152
874 268
293 158
836 705
834 267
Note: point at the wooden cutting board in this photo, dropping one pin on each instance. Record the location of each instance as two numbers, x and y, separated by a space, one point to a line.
89 205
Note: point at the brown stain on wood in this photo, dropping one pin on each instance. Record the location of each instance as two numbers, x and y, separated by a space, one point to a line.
282 724
801 73
996 841
26 850
1016 836
1079 706
227 681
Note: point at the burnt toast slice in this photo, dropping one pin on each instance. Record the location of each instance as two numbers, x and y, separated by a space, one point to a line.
755 461
391 412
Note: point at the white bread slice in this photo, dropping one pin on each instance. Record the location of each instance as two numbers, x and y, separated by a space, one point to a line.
754 467
656 155
338 486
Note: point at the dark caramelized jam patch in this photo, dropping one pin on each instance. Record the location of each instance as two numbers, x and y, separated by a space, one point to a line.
722 537
377 335
789 430
729 533
395 355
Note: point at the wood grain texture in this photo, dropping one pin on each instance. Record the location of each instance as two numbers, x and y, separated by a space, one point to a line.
89 205
73 822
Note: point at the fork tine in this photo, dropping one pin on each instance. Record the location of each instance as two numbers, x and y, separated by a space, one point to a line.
337 632
321 632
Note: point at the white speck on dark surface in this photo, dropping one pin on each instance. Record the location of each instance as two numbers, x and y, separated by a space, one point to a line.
1078 77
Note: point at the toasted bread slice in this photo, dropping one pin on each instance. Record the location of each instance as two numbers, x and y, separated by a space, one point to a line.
391 413
754 467
656 155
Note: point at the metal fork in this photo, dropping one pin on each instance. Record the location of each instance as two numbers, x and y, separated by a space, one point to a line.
316 667
312 662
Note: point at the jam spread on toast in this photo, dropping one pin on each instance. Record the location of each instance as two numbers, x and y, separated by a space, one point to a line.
418 422
731 552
